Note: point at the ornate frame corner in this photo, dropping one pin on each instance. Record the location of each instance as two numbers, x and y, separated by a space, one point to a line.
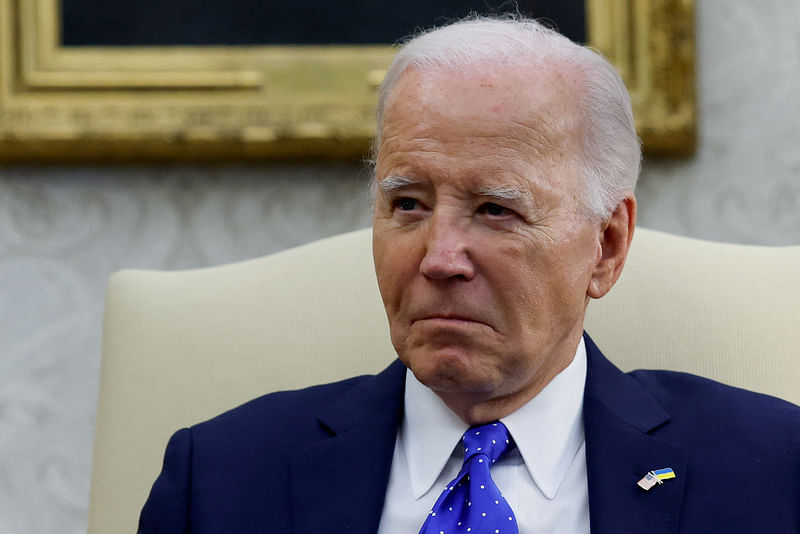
652 44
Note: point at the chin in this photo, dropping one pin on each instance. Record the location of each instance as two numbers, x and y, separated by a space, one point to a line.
451 371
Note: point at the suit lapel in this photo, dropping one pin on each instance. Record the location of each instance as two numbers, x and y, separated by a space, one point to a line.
339 483
622 421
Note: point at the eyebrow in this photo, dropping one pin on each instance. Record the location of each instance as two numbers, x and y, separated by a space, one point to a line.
504 192
507 192
395 182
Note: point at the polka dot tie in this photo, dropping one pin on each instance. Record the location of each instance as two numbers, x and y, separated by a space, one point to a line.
472 503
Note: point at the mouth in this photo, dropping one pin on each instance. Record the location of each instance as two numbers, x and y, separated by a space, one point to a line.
450 319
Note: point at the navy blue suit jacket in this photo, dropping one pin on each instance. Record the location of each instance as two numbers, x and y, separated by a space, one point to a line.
318 460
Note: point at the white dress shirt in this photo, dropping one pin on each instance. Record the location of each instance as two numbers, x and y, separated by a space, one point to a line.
543 479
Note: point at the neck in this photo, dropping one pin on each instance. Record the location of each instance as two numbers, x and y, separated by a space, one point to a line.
485 409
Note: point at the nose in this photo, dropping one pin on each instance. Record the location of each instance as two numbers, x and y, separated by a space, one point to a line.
447 252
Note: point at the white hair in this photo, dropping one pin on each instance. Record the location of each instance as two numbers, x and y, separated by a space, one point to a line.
611 151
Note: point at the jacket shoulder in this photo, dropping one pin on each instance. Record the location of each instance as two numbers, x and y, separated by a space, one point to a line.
236 466
701 404
290 411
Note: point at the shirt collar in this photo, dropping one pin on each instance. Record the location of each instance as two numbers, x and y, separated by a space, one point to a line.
430 431
548 429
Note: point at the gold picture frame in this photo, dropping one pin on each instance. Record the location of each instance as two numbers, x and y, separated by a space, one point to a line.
90 104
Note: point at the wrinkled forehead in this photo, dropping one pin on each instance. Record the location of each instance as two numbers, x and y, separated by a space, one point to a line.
531 112
536 104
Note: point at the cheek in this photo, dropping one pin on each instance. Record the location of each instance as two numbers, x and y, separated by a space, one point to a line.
521 274
579 262
394 268
386 279
569 280
538 288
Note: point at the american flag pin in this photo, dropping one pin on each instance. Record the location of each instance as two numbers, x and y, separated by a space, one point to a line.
656 476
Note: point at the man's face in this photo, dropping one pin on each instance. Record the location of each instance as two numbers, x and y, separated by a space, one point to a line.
482 258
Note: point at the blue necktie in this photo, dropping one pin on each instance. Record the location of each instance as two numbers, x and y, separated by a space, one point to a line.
472 503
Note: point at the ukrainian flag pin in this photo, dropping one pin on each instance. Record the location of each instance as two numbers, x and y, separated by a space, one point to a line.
656 476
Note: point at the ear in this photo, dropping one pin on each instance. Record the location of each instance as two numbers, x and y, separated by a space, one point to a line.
615 240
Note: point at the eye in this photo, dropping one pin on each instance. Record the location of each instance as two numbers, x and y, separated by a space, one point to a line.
405 204
495 210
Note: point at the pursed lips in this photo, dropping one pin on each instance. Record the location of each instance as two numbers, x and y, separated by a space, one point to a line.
453 319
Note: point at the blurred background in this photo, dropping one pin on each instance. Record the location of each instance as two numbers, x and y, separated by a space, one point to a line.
65 228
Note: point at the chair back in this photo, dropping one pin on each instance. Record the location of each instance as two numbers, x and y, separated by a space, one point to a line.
180 347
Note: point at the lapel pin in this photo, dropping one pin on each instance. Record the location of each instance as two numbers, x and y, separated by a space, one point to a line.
657 476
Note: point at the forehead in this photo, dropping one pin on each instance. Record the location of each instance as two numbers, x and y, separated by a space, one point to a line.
503 119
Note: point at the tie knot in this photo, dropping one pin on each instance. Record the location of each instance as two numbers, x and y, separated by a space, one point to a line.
491 439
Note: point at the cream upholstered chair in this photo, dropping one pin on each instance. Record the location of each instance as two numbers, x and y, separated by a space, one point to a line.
180 347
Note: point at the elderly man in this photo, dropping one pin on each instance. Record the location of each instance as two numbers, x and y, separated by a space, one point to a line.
505 165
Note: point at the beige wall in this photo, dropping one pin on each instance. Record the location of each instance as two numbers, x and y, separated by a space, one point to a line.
64 230
744 183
